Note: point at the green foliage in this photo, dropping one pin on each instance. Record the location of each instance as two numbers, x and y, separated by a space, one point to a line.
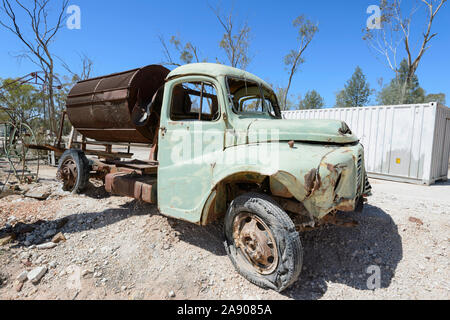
187 51
280 93
436 97
306 28
312 100
19 102
356 92
236 45
401 91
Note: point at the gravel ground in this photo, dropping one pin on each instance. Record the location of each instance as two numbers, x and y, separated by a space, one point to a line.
117 248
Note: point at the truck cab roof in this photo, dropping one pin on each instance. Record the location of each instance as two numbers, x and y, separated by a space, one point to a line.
214 70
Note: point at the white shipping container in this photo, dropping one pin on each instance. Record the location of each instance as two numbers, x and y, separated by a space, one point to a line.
407 143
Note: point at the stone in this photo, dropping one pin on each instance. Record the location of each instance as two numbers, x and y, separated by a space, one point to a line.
7 239
36 274
416 221
172 294
39 193
18 286
11 220
86 272
48 245
25 255
22 277
59 238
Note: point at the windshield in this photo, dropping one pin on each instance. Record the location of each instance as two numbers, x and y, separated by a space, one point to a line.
248 97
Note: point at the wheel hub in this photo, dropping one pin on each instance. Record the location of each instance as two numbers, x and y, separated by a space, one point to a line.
68 174
256 242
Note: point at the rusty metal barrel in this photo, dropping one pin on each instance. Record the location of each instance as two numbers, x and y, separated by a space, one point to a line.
102 108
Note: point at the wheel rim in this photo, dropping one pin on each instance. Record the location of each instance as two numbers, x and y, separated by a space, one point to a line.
68 174
256 242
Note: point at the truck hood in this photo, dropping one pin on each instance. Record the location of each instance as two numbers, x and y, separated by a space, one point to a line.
327 131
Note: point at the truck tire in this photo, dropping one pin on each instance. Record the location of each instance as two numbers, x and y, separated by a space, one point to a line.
73 171
262 243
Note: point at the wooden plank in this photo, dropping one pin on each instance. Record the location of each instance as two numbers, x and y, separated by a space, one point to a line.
108 155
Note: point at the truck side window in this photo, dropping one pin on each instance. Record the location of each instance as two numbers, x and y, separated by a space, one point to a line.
193 101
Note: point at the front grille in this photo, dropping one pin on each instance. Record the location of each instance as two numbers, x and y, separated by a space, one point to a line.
367 187
359 171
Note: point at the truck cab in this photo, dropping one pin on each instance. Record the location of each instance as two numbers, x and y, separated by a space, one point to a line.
221 128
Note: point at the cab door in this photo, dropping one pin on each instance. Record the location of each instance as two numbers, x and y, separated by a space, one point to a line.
191 140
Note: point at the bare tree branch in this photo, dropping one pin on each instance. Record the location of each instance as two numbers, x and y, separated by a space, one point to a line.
399 27
234 43
306 32
39 43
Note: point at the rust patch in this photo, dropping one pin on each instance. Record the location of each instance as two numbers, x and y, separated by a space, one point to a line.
331 167
346 205
256 242
312 181
131 185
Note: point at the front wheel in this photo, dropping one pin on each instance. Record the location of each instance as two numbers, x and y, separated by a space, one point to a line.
262 243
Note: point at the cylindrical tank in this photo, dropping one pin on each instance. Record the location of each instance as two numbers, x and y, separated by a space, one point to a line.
101 108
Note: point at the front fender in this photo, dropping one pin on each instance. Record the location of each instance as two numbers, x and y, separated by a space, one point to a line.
322 177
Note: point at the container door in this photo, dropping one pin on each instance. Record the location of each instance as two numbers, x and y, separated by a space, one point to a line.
446 149
190 140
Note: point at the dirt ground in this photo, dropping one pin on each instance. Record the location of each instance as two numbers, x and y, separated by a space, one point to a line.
117 248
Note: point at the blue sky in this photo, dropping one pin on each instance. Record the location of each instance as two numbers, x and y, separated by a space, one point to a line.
120 35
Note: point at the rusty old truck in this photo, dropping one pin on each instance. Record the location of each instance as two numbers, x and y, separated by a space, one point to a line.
219 150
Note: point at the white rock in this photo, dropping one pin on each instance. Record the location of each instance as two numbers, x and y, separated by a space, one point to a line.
36 274
11 219
48 245
22 277
86 272
25 255
171 294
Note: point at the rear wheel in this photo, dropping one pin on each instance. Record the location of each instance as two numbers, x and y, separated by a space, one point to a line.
73 171
262 243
